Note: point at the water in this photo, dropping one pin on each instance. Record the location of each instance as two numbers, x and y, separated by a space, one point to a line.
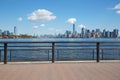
67 50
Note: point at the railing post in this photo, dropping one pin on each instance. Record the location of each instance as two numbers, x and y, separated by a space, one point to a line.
5 53
98 51
53 47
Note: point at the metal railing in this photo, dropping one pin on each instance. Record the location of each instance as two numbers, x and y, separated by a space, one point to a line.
53 47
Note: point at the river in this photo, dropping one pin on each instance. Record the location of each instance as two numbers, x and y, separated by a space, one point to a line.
65 49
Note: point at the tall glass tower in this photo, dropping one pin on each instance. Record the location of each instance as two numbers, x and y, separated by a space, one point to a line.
73 28
15 30
83 32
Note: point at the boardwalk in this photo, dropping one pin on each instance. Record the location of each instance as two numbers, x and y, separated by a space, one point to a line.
61 71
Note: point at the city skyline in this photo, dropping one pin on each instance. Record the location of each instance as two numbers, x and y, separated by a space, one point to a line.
84 33
50 17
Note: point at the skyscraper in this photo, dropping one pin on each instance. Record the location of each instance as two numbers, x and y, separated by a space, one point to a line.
108 34
104 33
74 32
15 30
73 28
115 32
82 32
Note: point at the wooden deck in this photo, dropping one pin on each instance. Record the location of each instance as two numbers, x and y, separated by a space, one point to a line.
61 71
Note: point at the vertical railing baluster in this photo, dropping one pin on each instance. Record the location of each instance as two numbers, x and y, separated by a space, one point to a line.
93 54
98 52
48 54
53 47
10 55
5 53
58 55
102 55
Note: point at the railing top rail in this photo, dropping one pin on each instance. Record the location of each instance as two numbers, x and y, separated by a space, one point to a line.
59 40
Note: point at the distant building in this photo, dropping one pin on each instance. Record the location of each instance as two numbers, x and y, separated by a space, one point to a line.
93 31
15 30
111 34
108 34
104 33
6 33
68 34
87 33
11 33
115 33
82 32
97 30
73 28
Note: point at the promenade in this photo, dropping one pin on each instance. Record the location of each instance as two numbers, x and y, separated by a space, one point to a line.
55 68
61 71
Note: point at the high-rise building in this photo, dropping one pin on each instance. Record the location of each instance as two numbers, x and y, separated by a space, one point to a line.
93 31
73 28
5 33
104 33
15 30
67 33
8 32
108 34
87 33
97 30
115 33
82 32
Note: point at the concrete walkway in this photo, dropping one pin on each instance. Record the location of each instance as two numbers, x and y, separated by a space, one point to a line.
61 71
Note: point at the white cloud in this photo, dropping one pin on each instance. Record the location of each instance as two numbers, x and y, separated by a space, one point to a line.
117 6
41 15
20 19
42 25
71 20
118 12
81 26
35 27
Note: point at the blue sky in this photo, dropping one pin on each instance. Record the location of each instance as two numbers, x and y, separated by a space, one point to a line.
51 16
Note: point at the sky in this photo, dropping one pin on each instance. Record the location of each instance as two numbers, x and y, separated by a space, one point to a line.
57 16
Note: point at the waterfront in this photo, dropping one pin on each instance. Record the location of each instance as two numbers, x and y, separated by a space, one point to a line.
65 49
